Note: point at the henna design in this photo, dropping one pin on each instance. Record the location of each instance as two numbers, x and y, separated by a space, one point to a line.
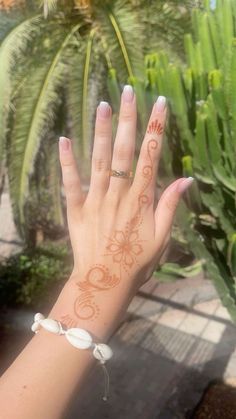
97 279
123 246
155 127
68 321
147 172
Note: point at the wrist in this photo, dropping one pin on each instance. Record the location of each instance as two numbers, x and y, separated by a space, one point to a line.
97 310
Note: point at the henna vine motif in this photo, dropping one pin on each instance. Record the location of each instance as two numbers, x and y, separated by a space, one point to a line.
124 246
97 279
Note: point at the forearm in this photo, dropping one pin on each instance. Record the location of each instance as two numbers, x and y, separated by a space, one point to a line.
44 376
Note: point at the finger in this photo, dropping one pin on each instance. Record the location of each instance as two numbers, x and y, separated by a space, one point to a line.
70 176
124 145
145 176
101 157
166 208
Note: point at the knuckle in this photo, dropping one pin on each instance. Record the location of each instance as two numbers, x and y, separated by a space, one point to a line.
101 135
100 164
126 117
66 163
122 152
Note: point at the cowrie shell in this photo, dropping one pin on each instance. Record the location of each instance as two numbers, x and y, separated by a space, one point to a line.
35 327
102 352
38 317
51 326
79 338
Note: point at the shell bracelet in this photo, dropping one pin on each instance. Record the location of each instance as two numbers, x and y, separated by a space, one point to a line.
80 339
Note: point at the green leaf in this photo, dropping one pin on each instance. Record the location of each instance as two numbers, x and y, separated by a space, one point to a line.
114 89
232 254
34 116
171 271
119 27
14 45
84 85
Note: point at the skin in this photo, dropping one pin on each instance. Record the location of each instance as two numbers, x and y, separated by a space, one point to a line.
117 235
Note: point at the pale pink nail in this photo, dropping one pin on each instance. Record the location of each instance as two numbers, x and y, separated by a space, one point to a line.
128 93
64 143
104 109
184 185
161 104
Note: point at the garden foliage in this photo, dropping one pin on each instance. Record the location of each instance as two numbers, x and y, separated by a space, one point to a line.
202 138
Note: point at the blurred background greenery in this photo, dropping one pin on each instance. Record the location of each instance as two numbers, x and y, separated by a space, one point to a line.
58 59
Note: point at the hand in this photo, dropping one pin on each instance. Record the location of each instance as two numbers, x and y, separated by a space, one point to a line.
117 234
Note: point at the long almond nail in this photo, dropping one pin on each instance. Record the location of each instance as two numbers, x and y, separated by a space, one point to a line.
161 104
185 184
104 109
128 93
64 143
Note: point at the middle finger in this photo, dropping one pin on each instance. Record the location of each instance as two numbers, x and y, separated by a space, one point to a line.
124 145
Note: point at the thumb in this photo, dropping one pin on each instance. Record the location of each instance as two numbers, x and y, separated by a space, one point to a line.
167 205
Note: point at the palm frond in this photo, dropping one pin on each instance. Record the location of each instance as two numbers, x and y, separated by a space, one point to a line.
121 31
9 21
49 6
165 22
35 115
83 89
15 44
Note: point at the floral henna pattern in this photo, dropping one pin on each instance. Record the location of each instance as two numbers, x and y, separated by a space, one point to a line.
124 246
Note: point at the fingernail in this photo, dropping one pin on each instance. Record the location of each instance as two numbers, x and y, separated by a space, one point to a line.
128 93
160 103
184 185
64 143
104 109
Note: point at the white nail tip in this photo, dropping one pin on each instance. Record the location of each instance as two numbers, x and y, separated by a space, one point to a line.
103 103
79 338
128 88
161 99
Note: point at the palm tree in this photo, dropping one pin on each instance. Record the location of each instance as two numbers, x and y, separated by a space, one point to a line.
55 67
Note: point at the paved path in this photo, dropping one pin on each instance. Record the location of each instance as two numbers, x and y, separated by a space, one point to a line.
164 358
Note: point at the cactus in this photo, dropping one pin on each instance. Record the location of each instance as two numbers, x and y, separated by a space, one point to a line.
202 98
202 138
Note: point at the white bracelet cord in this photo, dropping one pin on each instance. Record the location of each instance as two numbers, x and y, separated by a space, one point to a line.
79 338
